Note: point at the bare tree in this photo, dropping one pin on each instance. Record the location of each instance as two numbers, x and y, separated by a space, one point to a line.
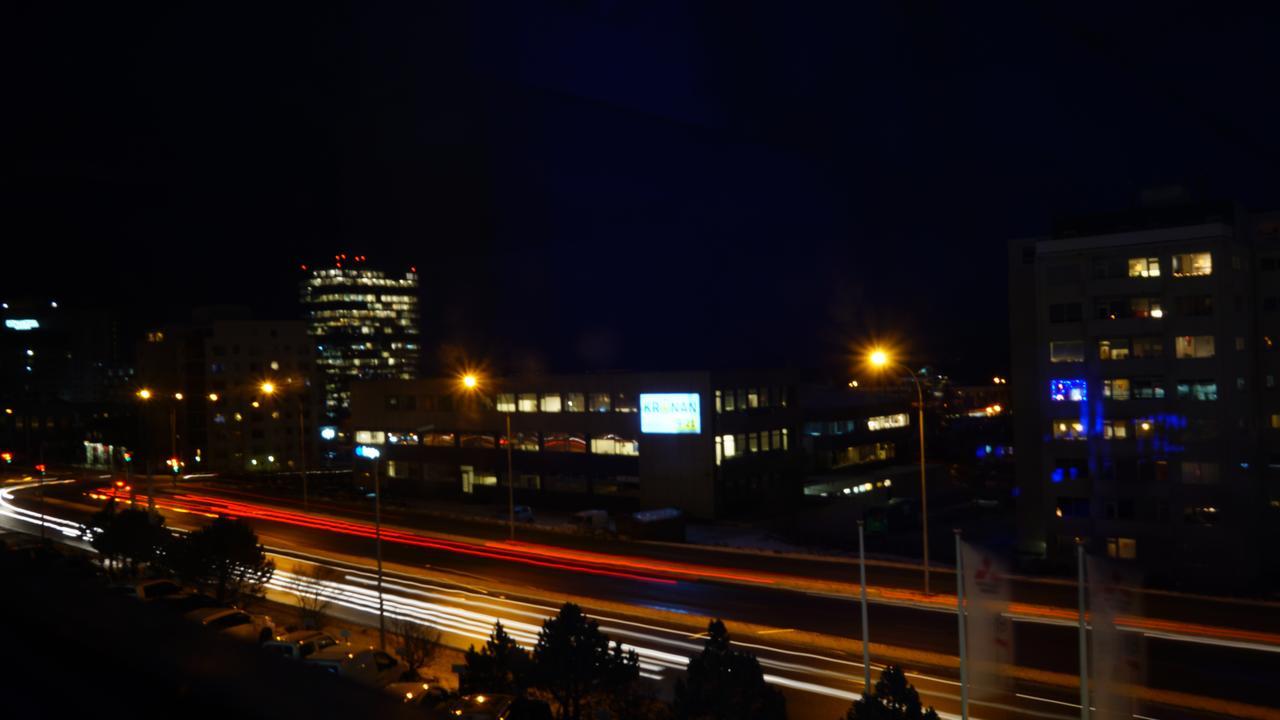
312 593
418 643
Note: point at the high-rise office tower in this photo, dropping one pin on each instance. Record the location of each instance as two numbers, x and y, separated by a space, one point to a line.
364 322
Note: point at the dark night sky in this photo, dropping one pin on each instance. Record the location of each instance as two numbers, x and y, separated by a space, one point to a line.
610 184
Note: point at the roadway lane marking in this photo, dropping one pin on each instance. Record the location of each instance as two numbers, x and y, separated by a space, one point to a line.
1239 644
775 631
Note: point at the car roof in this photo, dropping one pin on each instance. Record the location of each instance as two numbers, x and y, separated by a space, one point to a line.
336 652
298 636
207 614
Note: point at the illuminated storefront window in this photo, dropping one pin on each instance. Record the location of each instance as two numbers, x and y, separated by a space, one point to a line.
1068 390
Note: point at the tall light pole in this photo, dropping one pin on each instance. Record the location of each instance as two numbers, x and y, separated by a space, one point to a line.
879 359
471 383
866 631
145 396
373 453
269 389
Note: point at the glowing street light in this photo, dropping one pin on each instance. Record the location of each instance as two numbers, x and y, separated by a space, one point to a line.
267 388
213 397
144 394
879 359
471 383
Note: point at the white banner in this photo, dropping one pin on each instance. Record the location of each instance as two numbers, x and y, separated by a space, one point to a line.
1118 659
990 632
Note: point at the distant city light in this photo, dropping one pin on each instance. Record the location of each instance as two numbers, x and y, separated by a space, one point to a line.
328 432
368 451
21 324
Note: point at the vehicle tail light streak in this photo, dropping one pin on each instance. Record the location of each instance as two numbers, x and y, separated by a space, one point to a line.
212 506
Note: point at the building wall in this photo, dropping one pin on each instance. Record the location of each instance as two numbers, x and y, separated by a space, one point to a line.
1155 464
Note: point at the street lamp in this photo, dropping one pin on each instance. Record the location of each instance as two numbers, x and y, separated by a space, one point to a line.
880 360
268 388
470 382
373 453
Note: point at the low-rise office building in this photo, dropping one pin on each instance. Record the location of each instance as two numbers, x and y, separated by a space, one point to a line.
708 443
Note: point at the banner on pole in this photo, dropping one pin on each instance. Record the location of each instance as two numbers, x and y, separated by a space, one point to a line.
1119 657
990 632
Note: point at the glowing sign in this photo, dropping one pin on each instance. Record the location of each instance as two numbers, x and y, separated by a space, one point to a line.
328 432
1068 390
671 413
885 422
21 324
368 451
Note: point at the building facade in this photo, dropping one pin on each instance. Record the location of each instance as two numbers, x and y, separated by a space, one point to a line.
1144 397
208 406
364 325
708 443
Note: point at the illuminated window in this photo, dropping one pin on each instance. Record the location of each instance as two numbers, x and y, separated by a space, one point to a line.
1144 267
886 422
1147 388
719 450
1115 429
526 441
1115 389
730 446
753 398
1192 264
1193 346
433 439
505 402
1068 430
1122 548
719 402
753 442
1068 390
625 403
1066 351
574 402
1116 349
550 403
600 402
468 440
564 442
614 445
527 402
729 404
367 437
1198 389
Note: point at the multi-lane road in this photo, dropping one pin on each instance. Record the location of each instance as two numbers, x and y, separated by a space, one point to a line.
797 615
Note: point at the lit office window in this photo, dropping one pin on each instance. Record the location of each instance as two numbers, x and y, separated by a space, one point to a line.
730 446
1198 389
433 439
526 441
1066 351
1147 389
785 443
1122 548
729 404
1116 389
776 439
366 437
1193 346
764 441
506 402
1144 428
615 445
600 402
719 450
1068 430
1073 390
1144 267
1192 264
1115 349
564 442
550 403
887 422
753 442
1115 429
625 403
527 402
574 402
753 398
719 402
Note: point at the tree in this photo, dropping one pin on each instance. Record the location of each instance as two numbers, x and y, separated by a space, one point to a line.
223 559
723 683
313 598
500 667
418 643
893 699
572 662
132 537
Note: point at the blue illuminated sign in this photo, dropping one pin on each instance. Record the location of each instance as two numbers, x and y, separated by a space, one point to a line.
1068 390
21 323
368 451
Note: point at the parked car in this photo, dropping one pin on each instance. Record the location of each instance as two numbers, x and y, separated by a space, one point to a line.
422 694
235 623
299 645
187 602
152 590
369 667
523 513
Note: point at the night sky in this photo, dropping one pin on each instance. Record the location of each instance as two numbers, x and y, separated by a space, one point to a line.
607 185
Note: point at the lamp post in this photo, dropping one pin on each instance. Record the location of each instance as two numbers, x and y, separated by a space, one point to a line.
471 383
373 453
879 359
145 396
269 389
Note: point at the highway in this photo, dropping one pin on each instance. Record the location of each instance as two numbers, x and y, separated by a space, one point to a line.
658 607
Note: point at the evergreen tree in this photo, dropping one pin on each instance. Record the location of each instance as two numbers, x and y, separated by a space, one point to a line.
500 667
132 537
893 699
224 559
573 663
722 683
